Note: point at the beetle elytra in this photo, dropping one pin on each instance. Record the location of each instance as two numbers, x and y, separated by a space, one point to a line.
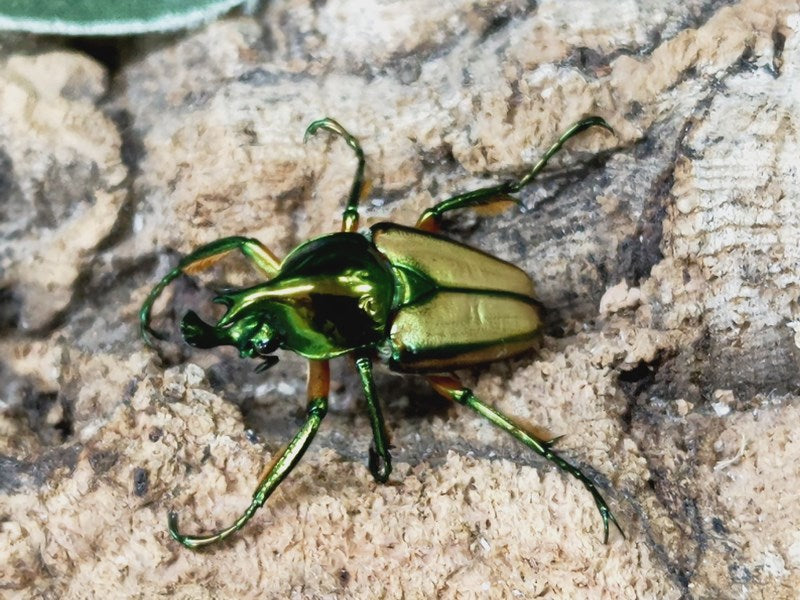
411 297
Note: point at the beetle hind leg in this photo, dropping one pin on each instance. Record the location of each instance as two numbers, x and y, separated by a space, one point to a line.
275 472
430 219
452 389
350 214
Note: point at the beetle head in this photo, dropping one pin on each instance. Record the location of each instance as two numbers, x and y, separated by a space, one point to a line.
250 334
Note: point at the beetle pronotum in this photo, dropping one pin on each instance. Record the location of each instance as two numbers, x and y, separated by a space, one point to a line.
389 292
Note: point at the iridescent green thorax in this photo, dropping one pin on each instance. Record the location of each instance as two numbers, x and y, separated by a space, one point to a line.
332 295
422 300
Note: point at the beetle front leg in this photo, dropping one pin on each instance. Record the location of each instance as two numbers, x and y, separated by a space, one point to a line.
429 220
202 258
350 215
380 460
275 472
451 388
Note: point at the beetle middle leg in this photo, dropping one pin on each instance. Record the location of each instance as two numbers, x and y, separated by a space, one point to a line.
350 214
275 472
380 460
452 389
430 218
202 258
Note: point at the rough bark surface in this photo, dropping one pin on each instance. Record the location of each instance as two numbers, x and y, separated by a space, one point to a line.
668 258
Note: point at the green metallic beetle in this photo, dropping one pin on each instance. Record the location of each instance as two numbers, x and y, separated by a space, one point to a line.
409 296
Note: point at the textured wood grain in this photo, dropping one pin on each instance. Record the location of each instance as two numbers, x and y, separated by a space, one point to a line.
667 259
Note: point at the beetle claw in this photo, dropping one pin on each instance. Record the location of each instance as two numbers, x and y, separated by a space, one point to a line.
378 465
172 526
326 123
607 516
552 441
269 361
148 333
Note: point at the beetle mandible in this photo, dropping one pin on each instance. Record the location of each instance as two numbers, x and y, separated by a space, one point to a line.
389 292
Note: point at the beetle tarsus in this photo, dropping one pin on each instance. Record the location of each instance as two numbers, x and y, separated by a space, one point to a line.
552 441
269 362
172 526
380 466
452 389
350 214
286 461
429 219
193 542
149 334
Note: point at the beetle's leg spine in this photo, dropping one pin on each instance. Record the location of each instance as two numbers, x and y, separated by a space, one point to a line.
318 387
451 388
350 214
429 219
572 131
380 459
251 248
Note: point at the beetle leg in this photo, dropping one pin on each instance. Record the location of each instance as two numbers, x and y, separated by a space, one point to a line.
350 214
275 472
380 460
430 218
201 258
451 388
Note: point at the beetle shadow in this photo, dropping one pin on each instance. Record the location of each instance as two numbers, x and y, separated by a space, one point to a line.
410 397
